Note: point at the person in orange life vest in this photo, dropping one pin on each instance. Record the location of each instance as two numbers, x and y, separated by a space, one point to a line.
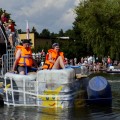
11 28
23 58
54 58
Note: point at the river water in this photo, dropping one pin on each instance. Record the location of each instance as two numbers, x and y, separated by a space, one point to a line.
83 113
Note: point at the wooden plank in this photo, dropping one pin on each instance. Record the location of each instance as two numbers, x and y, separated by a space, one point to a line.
78 76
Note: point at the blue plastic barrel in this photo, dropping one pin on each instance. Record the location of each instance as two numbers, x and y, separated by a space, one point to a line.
99 91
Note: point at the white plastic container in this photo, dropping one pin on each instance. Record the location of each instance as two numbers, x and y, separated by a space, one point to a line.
56 76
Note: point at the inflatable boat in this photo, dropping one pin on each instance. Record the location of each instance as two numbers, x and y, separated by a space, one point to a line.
46 88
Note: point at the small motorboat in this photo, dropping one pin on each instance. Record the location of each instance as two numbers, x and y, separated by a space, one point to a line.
112 69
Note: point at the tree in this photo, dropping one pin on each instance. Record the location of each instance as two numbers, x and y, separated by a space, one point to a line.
53 35
98 22
4 11
69 33
61 33
35 32
45 33
19 31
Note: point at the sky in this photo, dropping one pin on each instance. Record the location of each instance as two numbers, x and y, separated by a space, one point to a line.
53 15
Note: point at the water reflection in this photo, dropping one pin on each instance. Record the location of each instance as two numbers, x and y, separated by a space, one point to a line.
85 113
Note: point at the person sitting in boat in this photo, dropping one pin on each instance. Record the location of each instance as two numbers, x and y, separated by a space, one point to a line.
23 58
54 58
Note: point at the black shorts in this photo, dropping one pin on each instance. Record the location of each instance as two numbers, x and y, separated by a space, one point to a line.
24 68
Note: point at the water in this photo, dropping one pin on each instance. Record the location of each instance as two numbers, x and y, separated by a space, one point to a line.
83 113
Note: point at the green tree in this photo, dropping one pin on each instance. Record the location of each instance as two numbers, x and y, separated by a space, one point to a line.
19 31
4 11
53 35
69 33
98 22
45 33
35 32
61 33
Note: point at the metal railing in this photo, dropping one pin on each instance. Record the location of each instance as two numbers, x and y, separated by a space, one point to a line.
8 59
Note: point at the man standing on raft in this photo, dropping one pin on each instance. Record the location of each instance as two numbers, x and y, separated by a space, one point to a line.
54 58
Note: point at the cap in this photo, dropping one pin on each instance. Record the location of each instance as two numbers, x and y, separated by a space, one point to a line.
26 41
55 44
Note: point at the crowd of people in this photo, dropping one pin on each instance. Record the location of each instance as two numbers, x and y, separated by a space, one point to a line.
9 27
92 63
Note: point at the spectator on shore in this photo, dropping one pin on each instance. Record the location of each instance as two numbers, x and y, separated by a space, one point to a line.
82 60
4 18
119 64
109 61
90 59
75 61
93 58
66 63
71 62
6 28
84 67
98 67
11 37
42 52
94 66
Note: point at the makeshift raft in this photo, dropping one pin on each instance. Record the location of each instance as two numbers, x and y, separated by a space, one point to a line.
46 88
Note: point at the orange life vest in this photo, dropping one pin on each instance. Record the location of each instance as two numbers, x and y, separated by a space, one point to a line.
17 47
55 55
26 57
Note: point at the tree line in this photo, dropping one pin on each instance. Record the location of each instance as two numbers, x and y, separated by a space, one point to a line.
95 31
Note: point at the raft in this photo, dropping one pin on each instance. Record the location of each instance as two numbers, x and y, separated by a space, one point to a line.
46 88
55 89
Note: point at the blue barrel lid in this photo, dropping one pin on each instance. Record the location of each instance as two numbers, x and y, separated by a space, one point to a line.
98 83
